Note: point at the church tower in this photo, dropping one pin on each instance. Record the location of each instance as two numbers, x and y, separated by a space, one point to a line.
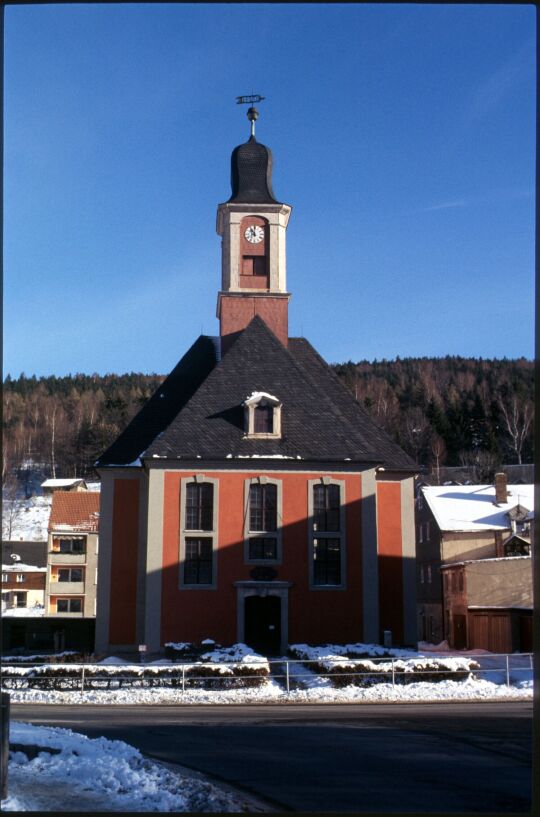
252 225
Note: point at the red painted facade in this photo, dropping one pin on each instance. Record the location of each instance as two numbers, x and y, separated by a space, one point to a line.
123 597
315 615
389 535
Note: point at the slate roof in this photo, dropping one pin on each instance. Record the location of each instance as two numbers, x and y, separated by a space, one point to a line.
160 410
76 510
251 174
321 421
30 553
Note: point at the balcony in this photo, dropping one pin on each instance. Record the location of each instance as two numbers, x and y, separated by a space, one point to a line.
57 558
66 588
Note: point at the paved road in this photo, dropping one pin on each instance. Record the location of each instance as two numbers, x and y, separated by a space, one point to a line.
451 757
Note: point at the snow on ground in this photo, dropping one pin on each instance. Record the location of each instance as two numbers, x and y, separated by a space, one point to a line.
27 518
305 685
100 775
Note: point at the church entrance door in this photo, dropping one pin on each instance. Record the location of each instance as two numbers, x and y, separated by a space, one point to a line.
263 624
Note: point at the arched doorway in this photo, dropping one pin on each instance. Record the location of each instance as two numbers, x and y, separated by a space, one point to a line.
263 623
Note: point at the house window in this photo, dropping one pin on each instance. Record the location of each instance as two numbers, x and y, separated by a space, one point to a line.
20 577
262 415
421 574
460 581
428 532
420 534
70 574
326 507
198 533
69 605
72 545
263 507
5 577
429 574
199 506
262 533
262 548
327 532
263 419
198 561
326 561
20 599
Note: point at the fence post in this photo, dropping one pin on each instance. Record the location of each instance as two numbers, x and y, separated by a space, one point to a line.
183 677
507 671
287 676
393 674
82 678
4 720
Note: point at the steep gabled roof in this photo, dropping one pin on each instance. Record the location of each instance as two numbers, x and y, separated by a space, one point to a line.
164 405
75 510
320 419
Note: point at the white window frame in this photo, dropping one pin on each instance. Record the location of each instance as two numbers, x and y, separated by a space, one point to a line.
20 578
185 533
249 417
277 534
341 534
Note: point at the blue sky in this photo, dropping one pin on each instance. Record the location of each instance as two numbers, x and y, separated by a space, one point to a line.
403 137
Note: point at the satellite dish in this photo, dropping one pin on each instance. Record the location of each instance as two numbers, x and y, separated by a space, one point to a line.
15 557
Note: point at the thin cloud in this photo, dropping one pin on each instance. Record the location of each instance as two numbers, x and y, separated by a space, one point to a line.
502 82
491 197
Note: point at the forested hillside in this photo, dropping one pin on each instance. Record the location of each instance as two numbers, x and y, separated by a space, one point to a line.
451 411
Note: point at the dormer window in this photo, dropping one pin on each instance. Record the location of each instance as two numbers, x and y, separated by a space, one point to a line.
262 415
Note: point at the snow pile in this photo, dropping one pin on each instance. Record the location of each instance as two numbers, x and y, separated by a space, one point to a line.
240 653
99 775
357 650
35 611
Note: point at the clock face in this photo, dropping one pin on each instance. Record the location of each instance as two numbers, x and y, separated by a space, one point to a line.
254 234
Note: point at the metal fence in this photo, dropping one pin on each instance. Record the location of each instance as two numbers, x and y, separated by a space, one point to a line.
289 673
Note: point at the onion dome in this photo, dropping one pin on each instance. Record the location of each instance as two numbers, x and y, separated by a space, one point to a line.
251 174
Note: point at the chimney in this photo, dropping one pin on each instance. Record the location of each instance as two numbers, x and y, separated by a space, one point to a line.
501 494
499 550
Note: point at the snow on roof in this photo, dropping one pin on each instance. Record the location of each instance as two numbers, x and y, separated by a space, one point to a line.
62 483
484 561
36 611
472 507
256 396
21 568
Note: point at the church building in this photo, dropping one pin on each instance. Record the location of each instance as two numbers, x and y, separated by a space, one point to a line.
252 499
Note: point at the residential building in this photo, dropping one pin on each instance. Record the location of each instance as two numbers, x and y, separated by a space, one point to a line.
466 524
23 585
72 554
252 499
489 604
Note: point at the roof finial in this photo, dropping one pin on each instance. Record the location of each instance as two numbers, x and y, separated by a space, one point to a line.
253 113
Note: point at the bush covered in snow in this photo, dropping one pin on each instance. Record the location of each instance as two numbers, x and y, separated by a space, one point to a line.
343 670
222 668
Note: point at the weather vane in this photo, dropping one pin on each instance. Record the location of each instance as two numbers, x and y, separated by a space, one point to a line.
253 113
